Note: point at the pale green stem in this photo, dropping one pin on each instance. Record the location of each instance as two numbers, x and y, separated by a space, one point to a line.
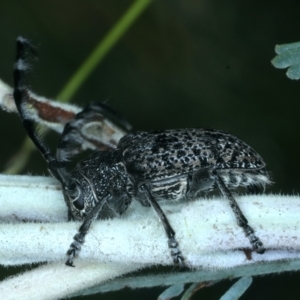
112 37
19 160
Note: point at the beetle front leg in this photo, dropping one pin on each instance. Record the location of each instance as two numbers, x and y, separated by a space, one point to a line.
79 237
178 259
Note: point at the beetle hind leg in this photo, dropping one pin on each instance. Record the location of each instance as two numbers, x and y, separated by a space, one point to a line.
256 243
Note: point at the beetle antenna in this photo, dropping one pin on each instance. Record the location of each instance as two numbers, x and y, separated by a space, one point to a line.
22 101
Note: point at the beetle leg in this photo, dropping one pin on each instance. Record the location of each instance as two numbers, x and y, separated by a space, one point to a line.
178 259
97 126
256 243
79 237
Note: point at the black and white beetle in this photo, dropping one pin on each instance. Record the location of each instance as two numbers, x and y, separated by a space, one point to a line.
146 166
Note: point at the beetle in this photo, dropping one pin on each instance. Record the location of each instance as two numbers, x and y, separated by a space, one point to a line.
145 166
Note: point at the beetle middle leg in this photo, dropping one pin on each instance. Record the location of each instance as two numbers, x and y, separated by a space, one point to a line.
92 128
178 259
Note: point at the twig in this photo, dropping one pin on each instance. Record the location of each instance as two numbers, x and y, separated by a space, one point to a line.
206 230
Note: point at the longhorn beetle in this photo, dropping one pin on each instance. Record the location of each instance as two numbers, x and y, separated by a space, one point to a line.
146 166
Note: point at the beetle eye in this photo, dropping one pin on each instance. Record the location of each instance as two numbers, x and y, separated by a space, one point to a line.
75 197
142 188
79 202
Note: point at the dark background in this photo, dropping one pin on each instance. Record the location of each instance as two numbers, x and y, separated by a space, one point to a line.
202 63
